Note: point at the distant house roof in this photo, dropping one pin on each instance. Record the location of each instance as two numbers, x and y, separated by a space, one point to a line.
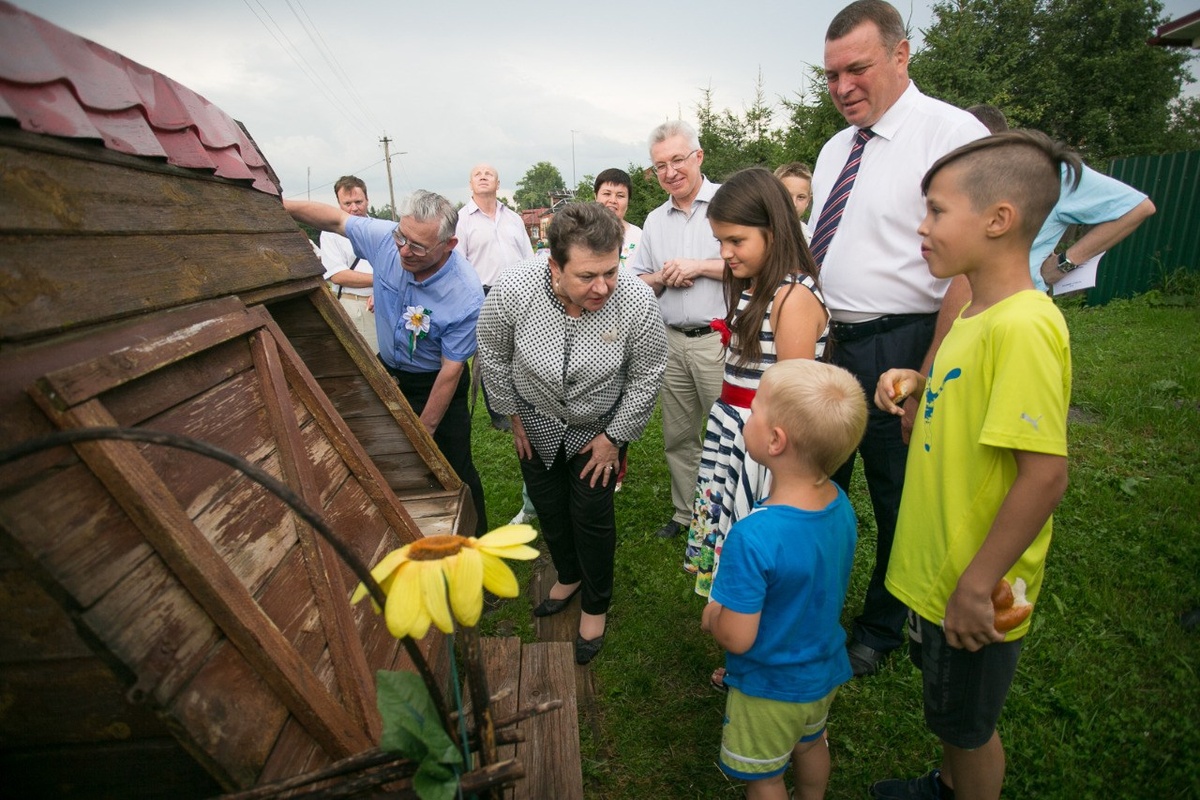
1182 32
54 82
531 216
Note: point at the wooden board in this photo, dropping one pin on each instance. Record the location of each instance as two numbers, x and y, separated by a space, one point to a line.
550 751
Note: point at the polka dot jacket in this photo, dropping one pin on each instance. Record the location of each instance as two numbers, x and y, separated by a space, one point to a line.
571 378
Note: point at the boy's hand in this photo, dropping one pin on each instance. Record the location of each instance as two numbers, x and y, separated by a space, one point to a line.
894 387
970 619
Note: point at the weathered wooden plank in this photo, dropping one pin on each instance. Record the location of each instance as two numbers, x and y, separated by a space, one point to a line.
46 193
153 394
211 581
385 387
502 665
352 396
325 578
551 747
230 713
72 385
150 624
83 539
37 297
22 365
343 439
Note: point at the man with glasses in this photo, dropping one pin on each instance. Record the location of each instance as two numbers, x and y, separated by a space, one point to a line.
427 301
680 260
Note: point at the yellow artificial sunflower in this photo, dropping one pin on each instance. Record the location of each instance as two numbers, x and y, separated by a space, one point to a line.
416 577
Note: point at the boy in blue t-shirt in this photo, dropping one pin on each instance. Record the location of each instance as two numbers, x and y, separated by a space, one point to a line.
984 478
777 599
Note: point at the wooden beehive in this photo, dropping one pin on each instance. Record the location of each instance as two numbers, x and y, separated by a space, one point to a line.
167 627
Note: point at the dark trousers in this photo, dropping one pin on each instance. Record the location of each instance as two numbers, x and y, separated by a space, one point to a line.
578 523
884 456
453 434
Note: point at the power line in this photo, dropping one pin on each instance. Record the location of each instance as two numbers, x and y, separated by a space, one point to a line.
298 59
332 182
335 65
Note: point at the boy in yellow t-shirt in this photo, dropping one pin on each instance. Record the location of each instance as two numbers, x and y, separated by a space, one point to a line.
988 462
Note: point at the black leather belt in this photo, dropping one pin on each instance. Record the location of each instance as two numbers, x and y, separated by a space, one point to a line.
692 333
853 331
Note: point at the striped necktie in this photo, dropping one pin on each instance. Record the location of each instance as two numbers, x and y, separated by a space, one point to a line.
831 214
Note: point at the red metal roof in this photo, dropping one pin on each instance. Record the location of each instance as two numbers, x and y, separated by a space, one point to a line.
56 83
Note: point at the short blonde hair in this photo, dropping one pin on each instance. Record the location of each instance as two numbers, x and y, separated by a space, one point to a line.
820 407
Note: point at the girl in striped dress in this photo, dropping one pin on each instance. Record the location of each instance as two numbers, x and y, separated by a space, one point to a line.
776 313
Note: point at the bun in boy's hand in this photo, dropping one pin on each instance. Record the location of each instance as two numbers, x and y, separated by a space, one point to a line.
1010 605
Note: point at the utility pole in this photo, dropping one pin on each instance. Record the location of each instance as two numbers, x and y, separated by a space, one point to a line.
574 180
387 158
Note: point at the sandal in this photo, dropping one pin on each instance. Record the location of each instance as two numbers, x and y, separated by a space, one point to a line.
717 680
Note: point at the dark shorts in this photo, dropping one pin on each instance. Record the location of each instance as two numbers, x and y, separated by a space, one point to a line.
964 691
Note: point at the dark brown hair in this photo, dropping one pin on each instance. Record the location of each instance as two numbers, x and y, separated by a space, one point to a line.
756 198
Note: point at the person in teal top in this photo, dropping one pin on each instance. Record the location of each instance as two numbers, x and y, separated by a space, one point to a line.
979 494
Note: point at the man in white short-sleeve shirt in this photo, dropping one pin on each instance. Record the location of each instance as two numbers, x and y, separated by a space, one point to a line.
352 277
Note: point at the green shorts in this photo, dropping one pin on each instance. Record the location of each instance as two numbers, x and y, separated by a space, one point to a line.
760 734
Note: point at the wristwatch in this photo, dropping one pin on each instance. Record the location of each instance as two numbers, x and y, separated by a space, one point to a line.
1065 264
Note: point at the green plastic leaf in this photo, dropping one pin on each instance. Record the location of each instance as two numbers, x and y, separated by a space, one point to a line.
434 781
410 722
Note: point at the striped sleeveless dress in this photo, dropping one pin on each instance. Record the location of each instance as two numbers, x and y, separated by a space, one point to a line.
730 482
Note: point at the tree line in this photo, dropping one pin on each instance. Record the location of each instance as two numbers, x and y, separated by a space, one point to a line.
1079 70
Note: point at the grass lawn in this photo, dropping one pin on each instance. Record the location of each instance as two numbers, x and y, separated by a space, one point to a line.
1106 703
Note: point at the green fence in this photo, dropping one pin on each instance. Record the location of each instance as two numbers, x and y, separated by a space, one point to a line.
1167 241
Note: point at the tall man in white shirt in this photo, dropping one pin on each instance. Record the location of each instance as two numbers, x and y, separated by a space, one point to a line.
493 238
887 310
351 276
681 261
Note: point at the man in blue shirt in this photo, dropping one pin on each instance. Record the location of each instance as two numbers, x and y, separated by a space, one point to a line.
427 301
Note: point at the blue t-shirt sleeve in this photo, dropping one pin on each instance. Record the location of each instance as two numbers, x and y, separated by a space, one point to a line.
741 582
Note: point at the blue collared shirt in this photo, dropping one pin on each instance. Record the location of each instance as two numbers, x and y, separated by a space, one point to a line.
452 297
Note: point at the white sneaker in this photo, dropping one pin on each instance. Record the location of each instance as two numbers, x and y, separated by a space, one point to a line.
522 518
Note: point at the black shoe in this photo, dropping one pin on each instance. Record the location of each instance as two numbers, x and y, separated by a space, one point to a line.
587 649
927 787
863 660
670 530
551 606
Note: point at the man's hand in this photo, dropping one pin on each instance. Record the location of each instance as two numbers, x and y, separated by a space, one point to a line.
680 273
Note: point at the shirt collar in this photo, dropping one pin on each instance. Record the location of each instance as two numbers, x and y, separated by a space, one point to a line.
892 120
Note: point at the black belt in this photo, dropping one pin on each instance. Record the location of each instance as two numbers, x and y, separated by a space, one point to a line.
692 333
853 331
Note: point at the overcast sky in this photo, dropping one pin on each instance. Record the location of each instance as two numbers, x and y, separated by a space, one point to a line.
319 83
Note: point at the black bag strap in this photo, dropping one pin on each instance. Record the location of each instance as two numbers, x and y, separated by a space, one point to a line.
352 266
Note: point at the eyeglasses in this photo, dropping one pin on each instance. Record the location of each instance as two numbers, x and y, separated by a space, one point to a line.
675 163
418 250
